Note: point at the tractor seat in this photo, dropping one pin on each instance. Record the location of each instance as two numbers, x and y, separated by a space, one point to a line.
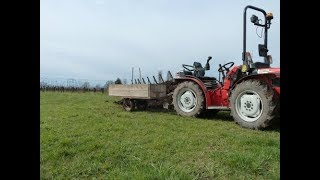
203 78
256 65
198 70
187 72
259 65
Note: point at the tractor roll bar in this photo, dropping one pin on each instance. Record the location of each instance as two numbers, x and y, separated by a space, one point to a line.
245 29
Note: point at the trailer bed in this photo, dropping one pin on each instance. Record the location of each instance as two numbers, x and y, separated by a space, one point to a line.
138 91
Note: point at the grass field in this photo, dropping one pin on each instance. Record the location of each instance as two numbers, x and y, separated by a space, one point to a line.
88 136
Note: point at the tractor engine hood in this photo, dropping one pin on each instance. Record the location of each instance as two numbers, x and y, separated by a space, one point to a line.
275 71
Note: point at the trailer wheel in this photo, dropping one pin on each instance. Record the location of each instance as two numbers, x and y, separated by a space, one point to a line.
128 104
188 99
252 104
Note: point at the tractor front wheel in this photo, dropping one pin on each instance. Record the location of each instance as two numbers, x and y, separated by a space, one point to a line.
188 99
252 104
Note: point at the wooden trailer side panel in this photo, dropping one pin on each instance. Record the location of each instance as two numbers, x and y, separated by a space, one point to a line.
143 91
157 91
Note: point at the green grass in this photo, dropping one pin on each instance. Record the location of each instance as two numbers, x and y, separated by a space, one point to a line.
88 136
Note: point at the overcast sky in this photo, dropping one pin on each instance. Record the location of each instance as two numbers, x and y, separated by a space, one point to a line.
103 39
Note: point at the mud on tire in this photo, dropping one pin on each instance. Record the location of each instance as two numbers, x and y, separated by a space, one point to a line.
241 104
188 99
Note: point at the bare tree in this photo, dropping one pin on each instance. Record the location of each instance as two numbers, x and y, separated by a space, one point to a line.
98 86
124 81
118 81
108 83
85 86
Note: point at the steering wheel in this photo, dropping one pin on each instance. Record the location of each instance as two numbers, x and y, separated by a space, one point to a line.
226 67
186 67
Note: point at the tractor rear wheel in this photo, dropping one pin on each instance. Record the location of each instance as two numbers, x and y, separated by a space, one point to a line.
252 104
188 99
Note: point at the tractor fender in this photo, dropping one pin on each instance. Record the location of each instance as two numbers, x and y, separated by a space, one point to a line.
194 79
200 84
262 77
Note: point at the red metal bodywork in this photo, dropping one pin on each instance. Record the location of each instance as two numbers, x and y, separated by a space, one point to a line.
276 74
219 97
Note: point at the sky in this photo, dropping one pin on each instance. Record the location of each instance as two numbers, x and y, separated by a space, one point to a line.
104 39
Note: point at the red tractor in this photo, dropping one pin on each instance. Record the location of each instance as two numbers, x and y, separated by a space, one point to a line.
251 90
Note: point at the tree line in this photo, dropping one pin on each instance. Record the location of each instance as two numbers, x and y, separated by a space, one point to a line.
85 87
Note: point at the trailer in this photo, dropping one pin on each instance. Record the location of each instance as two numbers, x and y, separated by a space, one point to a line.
138 96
